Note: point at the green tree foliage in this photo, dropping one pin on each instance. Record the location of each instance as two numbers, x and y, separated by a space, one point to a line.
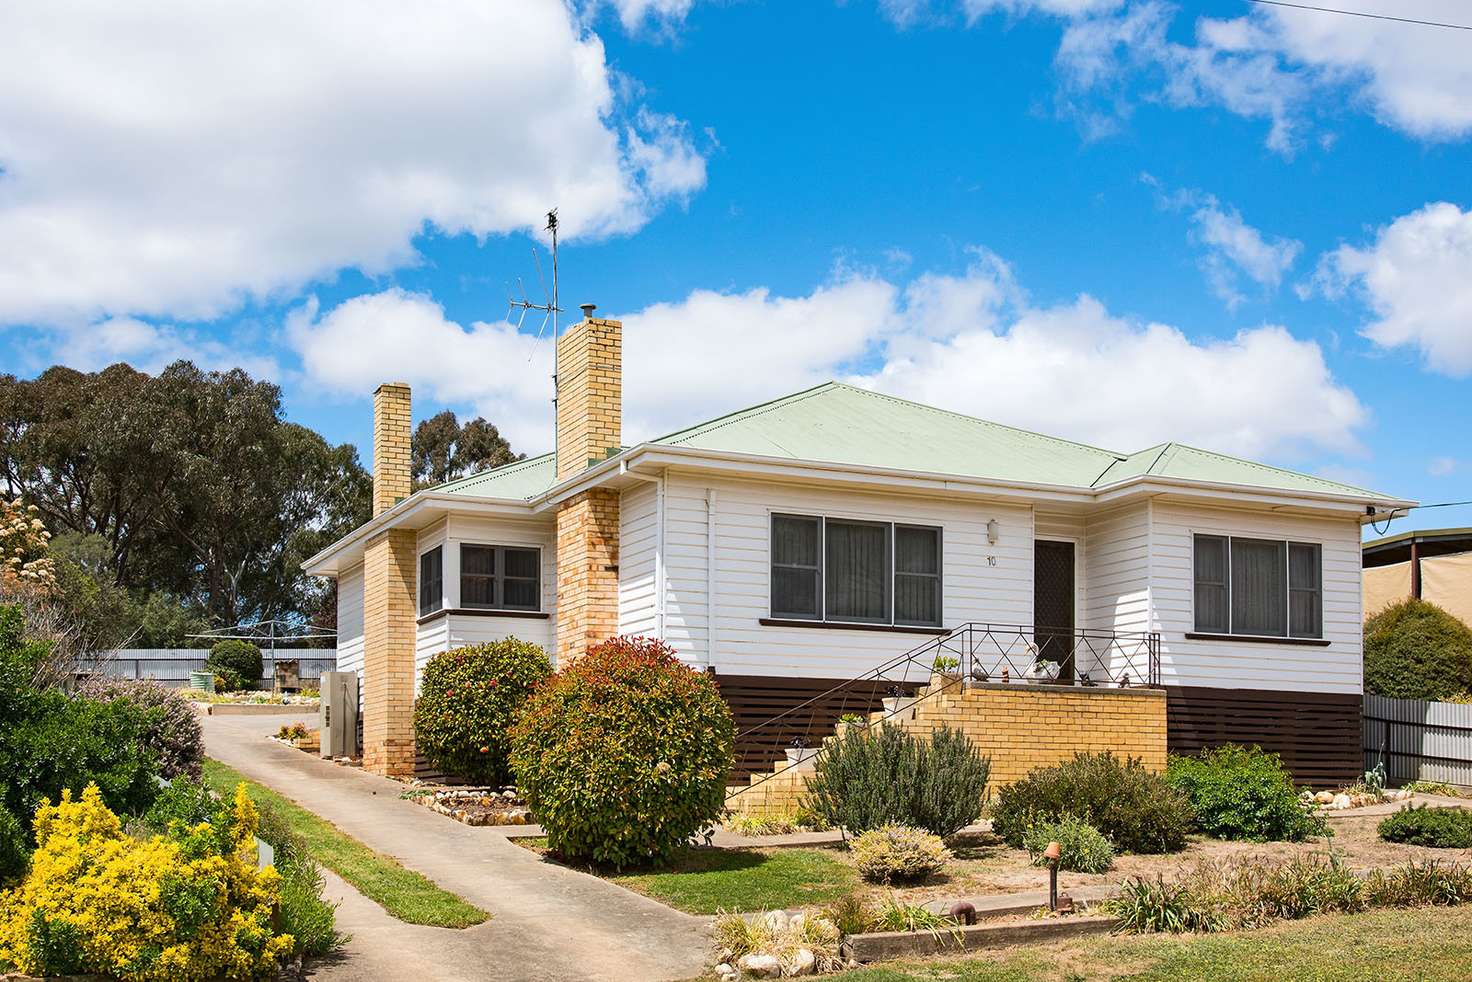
236 660
51 741
468 700
884 776
198 487
444 449
1416 650
1135 808
108 616
623 755
1242 793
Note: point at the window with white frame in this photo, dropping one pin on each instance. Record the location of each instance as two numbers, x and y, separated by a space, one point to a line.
1258 587
500 577
431 580
856 572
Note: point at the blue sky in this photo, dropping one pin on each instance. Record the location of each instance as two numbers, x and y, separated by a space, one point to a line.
1241 227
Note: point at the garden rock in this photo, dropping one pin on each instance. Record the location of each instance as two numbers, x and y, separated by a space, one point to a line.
776 921
804 962
761 966
727 972
1341 802
1324 798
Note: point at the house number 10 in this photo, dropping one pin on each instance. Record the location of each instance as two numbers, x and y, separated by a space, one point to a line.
991 560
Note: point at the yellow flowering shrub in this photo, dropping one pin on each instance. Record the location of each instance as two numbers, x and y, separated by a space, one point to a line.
191 905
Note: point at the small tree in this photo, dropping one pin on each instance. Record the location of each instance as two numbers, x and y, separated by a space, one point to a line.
1416 650
623 755
468 700
239 662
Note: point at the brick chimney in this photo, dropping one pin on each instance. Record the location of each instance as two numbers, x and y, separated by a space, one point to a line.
391 437
589 429
388 598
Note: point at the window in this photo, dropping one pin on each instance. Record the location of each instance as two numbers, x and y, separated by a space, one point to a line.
916 575
1258 587
500 578
856 555
797 573
842 570
432 580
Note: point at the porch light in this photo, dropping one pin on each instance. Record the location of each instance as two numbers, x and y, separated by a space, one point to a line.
991 531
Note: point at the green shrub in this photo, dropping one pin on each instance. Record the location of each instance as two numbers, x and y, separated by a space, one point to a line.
898 854
174 736
239 657
14 847
1416 650
1083 848
882 775
1241 793
1439 828
185 803
1136 809
468 701
623 755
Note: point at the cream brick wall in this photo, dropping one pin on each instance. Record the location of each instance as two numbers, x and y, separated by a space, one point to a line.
388 653
1020 727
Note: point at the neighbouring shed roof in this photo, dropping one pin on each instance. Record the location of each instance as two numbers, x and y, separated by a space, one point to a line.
841 424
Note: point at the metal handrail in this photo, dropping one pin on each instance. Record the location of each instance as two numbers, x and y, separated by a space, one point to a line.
981 652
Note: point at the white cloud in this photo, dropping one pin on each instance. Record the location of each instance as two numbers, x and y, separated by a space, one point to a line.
1417 278
1273 63
970 342
1232 248
171 159
1441 466
635 14
151 347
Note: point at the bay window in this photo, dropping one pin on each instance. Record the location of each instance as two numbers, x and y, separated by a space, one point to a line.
500 578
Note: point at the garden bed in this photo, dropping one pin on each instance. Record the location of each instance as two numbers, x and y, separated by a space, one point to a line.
471 805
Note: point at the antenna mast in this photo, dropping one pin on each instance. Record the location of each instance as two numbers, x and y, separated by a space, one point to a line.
550 310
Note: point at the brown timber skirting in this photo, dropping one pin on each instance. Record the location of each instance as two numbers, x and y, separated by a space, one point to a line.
756 699
1316 733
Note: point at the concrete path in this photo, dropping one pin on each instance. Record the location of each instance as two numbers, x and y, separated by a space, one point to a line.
548 922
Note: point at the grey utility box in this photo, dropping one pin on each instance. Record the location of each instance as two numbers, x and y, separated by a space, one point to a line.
339 714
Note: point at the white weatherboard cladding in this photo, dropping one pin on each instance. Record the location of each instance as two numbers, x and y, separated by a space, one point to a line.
638 538
1117 570
456 630
350 620
973 588
1253 664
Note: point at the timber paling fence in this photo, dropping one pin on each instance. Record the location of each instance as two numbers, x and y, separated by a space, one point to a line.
1419 740
171 666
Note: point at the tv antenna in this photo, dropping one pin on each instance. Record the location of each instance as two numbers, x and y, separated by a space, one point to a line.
548 308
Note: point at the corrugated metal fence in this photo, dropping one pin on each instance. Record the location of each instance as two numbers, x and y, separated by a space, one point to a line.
172 666
1419 740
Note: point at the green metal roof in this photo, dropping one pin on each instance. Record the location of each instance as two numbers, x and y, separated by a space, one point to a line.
523 479
842 424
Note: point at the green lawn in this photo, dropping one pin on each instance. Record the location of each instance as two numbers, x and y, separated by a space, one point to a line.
405 894
1385 946
706 880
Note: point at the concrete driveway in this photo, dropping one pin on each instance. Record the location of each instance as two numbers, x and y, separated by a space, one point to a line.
547 922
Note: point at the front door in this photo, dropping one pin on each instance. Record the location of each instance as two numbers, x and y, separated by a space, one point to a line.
1052 603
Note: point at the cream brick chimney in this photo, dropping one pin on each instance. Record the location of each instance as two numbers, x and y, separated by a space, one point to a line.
391 436
388 597
589 429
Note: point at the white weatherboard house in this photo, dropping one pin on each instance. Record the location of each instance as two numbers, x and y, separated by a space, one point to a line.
806 542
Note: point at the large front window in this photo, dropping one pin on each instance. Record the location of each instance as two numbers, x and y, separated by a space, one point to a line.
499 578
859 572
1258 587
